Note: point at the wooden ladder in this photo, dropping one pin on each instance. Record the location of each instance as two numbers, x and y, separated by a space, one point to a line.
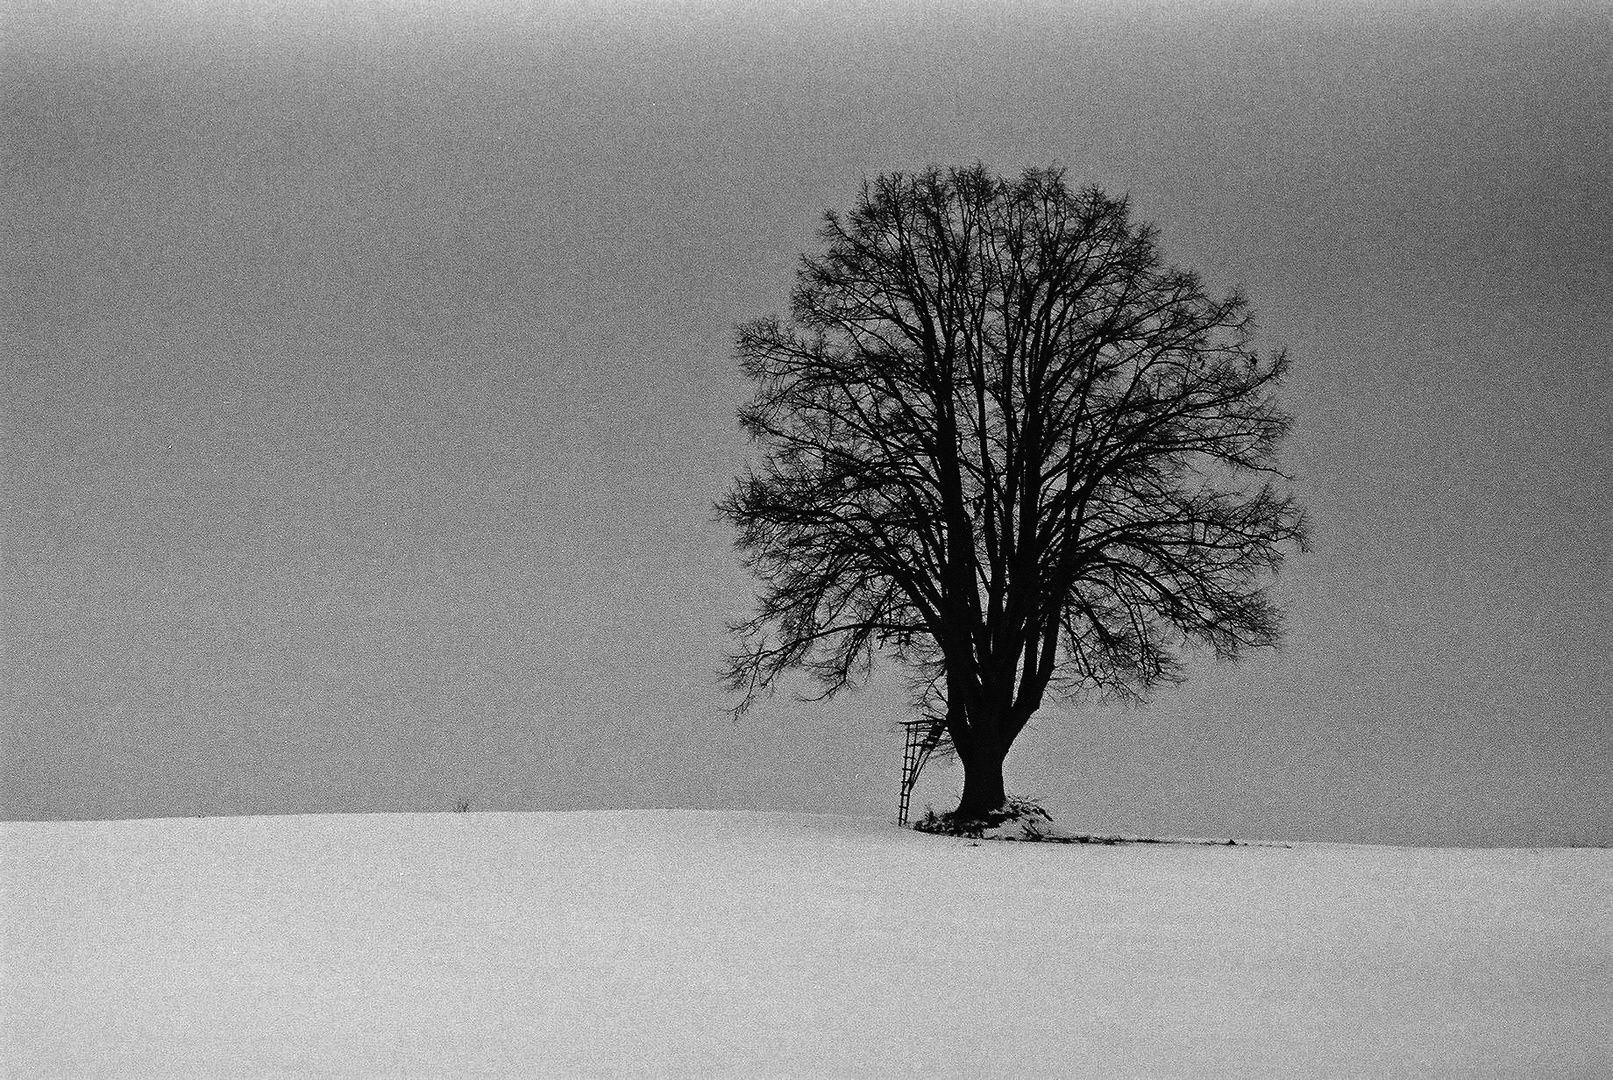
923 736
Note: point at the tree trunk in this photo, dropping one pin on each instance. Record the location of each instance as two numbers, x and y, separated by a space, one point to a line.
978 736
983 792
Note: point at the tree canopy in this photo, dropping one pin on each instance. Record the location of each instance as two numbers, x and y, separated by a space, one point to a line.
1010 449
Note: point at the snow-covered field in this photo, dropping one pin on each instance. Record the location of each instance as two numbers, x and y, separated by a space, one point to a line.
683 943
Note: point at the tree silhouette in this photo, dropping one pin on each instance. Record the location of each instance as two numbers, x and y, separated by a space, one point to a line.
1009 449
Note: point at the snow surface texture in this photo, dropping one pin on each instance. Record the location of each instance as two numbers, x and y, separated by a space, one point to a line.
683 943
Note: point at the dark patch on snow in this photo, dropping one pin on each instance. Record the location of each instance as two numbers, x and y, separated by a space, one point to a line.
1021 821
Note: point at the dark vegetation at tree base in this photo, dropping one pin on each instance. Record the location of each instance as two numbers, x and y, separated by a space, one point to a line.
1035 821
1029 823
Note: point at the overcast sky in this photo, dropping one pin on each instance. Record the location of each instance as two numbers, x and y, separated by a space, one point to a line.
368 380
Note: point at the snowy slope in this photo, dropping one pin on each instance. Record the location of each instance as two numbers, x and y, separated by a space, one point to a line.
682 943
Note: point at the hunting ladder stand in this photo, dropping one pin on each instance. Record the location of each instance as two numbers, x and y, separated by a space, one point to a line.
923 736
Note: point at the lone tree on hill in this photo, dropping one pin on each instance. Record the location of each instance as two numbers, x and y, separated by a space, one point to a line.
1011 450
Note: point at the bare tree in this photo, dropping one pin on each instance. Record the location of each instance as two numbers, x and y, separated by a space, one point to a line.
1009 449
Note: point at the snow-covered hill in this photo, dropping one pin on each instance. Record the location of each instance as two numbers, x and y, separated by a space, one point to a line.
682 943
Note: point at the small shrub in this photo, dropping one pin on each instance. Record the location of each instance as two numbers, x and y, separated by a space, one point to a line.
1019 819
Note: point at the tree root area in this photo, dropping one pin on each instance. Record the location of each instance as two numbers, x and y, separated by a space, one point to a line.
1024 822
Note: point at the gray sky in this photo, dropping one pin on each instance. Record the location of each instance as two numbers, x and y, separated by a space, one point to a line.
368 379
